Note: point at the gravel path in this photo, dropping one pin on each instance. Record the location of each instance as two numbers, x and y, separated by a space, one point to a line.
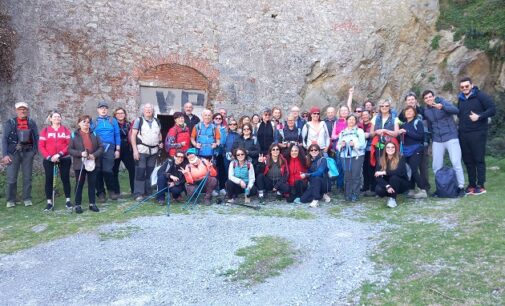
178 260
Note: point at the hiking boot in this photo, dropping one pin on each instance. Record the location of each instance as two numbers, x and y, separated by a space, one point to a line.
470 190
326 198
78 209
421 194
114 196
101 198
28 202
314 204
68 205
391 203
49 207
10 204
411 193
479 190
93 207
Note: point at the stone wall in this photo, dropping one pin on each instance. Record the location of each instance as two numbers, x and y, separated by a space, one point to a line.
250 54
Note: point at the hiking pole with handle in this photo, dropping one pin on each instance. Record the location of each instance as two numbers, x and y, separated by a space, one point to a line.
139 203
55 178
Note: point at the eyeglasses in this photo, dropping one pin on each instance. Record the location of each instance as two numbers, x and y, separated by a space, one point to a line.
464 86
315 114
179 156
314 150
217 118
359 111
275 149
240 154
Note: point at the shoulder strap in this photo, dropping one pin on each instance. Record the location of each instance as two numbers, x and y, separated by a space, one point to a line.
141 122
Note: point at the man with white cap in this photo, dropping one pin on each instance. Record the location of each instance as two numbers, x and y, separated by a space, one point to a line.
19 146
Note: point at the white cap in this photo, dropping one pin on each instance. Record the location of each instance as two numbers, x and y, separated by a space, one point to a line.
21 104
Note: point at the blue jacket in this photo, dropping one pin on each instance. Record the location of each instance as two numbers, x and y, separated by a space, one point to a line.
318 168
441 122
107 129
479 103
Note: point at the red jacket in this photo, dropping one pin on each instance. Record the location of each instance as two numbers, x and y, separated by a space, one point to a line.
296 167
175 136
53 141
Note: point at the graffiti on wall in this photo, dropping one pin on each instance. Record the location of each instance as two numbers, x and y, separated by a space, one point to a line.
170 100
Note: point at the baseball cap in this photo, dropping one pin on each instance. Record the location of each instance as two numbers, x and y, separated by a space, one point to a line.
21 104
315 110
192 151
102 104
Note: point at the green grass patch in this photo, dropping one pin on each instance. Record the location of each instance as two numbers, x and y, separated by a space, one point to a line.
443 252
435 42
266 258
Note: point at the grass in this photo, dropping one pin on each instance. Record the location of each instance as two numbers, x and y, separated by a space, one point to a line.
443 252
266 258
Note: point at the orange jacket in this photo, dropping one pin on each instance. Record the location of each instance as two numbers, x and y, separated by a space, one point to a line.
197 172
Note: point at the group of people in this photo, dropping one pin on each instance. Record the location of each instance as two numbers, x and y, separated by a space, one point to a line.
376 151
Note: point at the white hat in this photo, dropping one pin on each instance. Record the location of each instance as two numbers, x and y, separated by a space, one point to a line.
89 164
21 104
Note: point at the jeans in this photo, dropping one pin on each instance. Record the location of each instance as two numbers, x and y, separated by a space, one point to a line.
452 146
64 169
317 187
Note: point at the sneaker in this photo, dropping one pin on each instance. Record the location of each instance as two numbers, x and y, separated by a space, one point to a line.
68 205
101 198
114 196
49 207
78 209
278 196
326 198
28 202
215 193
314 204
470 190
479 190
421 194
391 203
139 198
411 193
10 204
222 192
297 201
230 201
93 207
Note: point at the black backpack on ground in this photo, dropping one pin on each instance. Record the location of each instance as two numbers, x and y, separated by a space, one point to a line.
446 183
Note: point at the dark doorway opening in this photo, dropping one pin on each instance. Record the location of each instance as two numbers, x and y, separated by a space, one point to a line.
167 122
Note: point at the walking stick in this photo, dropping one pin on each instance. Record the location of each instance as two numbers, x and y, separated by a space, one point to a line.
55 177
138 204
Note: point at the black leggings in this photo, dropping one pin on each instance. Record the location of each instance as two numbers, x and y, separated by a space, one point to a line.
414 162
266 184
126 157
400 185
80 184
64 170
233 190
368 174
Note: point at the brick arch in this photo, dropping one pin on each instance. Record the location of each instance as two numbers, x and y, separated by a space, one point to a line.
175 76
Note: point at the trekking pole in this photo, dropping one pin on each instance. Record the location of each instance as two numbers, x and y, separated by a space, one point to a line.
80 174
197 192
55 178
168 202
138 204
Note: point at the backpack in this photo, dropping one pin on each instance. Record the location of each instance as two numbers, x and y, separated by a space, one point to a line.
141 121
446 183
332 167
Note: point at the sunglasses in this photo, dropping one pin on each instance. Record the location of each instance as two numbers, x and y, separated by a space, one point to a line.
240 154
232 124
275 149
359 111
315 114
217 118
314 150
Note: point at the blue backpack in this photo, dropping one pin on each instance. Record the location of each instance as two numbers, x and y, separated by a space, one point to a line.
332 167
446 183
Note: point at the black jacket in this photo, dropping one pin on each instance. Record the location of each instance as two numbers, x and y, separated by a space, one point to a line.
250 145
400 172
190 123
479 103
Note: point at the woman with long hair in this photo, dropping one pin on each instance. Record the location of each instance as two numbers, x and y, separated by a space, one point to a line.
53 146
384 127
240 176
392 176
272 173
243 120
125 154
248 142
351 145
85 148
297 165
412 139
255 120
220 152
317 175
277 117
